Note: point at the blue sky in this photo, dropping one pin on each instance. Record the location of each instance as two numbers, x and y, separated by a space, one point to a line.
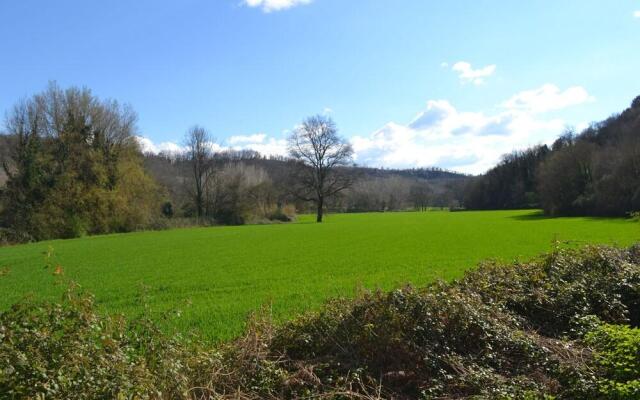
409 82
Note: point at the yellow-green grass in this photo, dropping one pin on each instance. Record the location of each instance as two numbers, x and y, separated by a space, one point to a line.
218 275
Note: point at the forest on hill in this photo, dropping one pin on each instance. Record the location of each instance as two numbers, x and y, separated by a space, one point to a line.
594 172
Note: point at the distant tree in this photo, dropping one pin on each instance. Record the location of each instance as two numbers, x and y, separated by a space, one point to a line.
240 193
320 153
419 194
199 153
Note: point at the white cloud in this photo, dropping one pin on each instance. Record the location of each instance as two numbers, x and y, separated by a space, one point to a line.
147 146
441 135
241 140
636 14
547 98
468 141
275 5
259 142
467 74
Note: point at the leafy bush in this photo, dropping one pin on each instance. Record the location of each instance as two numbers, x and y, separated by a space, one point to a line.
617 354
67 351
550 328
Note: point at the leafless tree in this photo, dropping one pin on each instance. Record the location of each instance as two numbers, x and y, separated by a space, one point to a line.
199 153
419 194
320 153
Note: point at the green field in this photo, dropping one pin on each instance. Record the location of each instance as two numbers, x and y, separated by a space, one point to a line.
218 275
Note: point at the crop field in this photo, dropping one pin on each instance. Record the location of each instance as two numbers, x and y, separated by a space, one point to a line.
217 276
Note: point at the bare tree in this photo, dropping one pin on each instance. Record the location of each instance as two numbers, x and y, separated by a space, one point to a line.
320 153
419 194
200 155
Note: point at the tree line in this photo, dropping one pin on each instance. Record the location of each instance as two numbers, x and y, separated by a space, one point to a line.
239 186
595 172
72 165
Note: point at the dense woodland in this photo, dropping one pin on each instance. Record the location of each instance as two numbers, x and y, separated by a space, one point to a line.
72 166
595 172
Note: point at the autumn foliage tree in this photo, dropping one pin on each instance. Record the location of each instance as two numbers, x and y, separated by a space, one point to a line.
74 167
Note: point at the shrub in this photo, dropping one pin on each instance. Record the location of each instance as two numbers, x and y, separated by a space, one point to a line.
279 215
552 293
429 343
503 331
617 354
67 351
11 236
167 209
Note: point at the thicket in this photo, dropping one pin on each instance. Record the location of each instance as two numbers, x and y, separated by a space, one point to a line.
73 168
564 325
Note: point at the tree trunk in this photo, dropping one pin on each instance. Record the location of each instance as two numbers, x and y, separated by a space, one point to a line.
199 202
320 209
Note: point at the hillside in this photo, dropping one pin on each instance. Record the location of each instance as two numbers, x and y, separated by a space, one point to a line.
594 172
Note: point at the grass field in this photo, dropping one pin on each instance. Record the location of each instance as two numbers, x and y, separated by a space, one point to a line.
217 276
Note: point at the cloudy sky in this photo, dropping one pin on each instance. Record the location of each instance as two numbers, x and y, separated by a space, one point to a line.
410 83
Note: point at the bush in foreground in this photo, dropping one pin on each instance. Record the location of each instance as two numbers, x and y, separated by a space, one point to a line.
562 326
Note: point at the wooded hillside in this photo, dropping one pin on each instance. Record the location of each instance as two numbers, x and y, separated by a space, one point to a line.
594 172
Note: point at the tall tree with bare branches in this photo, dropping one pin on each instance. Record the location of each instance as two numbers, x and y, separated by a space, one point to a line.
198 142
320 153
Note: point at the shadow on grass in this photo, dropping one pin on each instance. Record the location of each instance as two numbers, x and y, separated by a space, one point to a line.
539 215
531 216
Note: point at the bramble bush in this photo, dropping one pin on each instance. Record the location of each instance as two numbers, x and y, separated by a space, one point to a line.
564 325
68 351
